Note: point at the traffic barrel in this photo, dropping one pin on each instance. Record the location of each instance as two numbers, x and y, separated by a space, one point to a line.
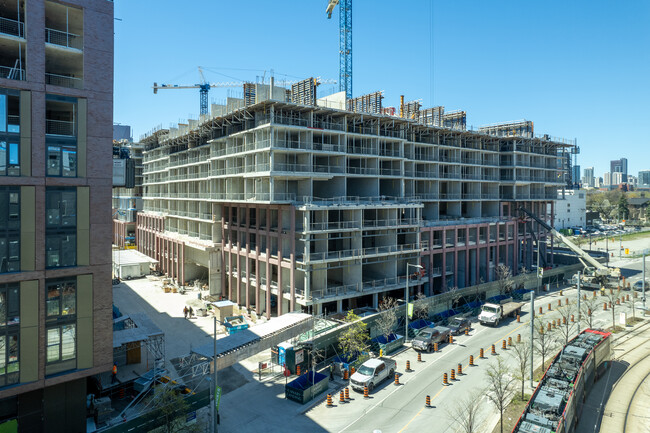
347 393
494 350
396 379
453 374
564 320
559 301
419 357
481 354
553 323
427 402
594 294
345 374
451 339
572 319
435 347
618 302
627 297
509 341
541 329
566 301
471 360
549 306
605 306
460 369
341 397
518 338
466 331
329 400
365 391
352 370
518 318
298 370
444 379
503 344
540 310
408 365
548 326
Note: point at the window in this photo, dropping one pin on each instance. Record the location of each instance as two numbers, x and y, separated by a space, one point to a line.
61 135
61 324
61 227
9 132
9 229
9 334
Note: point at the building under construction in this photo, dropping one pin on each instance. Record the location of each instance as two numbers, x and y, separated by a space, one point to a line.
284 206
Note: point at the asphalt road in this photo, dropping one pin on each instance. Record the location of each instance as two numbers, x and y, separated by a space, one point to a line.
401 408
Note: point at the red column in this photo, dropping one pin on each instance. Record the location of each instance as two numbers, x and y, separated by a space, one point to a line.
292 258
280 292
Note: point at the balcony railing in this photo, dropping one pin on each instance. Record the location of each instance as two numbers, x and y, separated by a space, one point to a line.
63 81
12 73
12 27
59 127
366 286
63 39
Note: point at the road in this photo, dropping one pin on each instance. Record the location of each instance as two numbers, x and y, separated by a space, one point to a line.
401 408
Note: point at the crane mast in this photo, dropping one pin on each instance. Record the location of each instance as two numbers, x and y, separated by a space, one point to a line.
345 43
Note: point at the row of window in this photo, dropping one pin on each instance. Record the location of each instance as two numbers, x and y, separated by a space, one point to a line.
60 228
60 129
60 329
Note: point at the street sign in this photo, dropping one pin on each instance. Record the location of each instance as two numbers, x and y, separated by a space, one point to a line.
190 417
286 372
410 309
217 397
627 251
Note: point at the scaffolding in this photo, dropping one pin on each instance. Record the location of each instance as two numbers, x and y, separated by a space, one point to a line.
455 120
370 103
517 128
304 92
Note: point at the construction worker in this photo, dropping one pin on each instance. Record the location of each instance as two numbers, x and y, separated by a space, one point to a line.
185 311
114 374
332 371
191 312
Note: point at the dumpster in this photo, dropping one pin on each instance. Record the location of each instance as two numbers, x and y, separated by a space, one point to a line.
306 387
235 323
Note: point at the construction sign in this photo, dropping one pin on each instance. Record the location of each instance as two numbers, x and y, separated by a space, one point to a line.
410 309
627 251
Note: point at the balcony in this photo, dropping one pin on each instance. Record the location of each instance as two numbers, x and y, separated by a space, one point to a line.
63 80
63 39
12 27
59 127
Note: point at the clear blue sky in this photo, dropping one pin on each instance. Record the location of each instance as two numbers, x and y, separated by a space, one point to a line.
578 69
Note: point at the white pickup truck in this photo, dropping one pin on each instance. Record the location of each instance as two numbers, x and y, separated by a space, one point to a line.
492 314
371 373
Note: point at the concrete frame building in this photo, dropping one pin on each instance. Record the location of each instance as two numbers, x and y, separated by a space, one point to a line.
571 209
283 207
56 104
127 199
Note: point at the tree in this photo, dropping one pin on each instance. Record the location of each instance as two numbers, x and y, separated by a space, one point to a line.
173 409
611 295
352 340
647 213
504 278
587 308
631 306
521 352
623 211
387 316
545 342
465 414
500 386
421 306
566 328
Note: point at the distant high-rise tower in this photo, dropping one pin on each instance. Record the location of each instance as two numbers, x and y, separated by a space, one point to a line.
644 178
589 176
619 166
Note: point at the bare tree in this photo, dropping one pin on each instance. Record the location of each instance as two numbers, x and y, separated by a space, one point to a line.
421 306
465 414
588 307
631 306
387 316
545 342
504 278
452 296
500 386
521 353
611 295
566 328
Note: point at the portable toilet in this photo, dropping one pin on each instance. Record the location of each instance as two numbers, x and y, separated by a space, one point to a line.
282 352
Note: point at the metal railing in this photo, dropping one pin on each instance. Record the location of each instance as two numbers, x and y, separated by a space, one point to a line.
64 39
12 73
59 127
12 27
63 81
366 286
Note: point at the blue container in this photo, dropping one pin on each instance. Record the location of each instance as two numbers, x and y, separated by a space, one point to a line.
305 387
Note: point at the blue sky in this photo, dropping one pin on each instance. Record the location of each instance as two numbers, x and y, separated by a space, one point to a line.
578 69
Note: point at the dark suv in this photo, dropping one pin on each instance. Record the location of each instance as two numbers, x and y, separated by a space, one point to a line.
458 325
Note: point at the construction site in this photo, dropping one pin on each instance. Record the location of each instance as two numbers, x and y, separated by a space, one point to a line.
282 201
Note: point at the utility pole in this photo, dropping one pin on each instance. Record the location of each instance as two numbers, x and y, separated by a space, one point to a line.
215 411
643 283
578 302
532 334
538 273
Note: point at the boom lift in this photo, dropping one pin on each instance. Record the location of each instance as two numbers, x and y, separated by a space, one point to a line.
595 273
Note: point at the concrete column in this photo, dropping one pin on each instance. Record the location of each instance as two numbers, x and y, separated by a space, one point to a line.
292 258
444 264
268 261
339 305
215 274
375 300
248 277
318 308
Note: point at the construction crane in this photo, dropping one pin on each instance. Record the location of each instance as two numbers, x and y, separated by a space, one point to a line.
204 87
345 43
597 273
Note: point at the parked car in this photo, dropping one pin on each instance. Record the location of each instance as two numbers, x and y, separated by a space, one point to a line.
428 336
458 325
371 373
638 285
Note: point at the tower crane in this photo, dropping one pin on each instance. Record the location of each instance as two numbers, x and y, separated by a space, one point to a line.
345 43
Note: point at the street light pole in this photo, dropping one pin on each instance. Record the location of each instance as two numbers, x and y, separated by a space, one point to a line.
620 245
538 280
643 283
215 412
532 334
578 302
406 298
